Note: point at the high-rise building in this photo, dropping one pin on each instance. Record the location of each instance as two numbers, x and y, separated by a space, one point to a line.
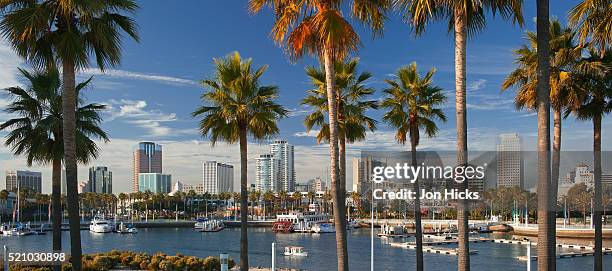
606 180
284 153
217 177
147 159
23 179
155 182
362 173
266 173
100 180
509 161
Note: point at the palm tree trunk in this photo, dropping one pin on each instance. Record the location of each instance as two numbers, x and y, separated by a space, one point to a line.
338 198
597 208
546 247
417 201
244 243
462 148
554 180
56 204
69 133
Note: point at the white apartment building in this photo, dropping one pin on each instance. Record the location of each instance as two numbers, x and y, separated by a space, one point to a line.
217 177
267 171
284 153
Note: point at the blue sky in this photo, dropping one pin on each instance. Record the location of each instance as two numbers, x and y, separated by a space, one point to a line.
152 94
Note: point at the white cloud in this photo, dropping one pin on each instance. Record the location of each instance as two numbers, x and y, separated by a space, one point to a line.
477 85
140 76
138 113
9 62
312 133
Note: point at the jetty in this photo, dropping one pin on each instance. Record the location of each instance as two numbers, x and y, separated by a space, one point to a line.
567 255
430 249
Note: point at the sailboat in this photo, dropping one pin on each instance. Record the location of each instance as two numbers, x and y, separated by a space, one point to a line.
19 229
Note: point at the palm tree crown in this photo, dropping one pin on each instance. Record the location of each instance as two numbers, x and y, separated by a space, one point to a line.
236 99
353 122
413 101
37 133
593 19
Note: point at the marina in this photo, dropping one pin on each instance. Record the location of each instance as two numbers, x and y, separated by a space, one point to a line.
187 241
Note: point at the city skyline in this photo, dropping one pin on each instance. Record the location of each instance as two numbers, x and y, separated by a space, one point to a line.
143 104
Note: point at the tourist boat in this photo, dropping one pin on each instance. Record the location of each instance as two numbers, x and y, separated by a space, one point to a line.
19 230
295 251
323 227
100 225
127 229
387 231
200 223
298 221
212 226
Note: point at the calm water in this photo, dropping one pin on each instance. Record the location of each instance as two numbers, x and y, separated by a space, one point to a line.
321 249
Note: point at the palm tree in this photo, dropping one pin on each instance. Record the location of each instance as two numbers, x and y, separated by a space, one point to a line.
236 107
318 27
80 29
465 17
296 197
595 103
593 21
564 54
352 122
37 132
413 105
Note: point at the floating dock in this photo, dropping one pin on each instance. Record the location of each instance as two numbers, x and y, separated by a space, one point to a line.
430 249
566 255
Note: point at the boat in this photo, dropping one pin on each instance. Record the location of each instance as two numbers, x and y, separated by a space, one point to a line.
295 251
439 237
323 227
387 231
352 224
200 223
100 225
127 229
212 226
298 221
18 230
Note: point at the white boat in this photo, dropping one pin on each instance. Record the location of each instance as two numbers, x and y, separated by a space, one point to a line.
295 251
19 230
100 225
300 222
439 237
200 223
212 226
352 224
323 227
127 229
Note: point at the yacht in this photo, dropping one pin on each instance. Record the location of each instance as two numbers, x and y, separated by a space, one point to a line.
295 251
298 221
323 227
212 226
352 224
439 237
100 225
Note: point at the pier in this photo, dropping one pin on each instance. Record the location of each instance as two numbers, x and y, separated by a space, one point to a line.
567 255
430 249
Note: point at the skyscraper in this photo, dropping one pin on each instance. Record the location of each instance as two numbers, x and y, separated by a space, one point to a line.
147 159
509 161
217 177
100 180
155 182
267 173
284 153
23 179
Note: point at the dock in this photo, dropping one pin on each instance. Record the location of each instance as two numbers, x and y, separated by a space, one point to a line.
523 242
567 255
452 242
430 249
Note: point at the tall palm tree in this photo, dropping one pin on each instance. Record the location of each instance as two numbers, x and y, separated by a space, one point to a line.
81 29
351 90
236 107
413 105
37 132
564 55
318 27
593 21
465 17
595 83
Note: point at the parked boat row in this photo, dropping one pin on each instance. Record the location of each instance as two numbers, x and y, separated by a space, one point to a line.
101 225
206 225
